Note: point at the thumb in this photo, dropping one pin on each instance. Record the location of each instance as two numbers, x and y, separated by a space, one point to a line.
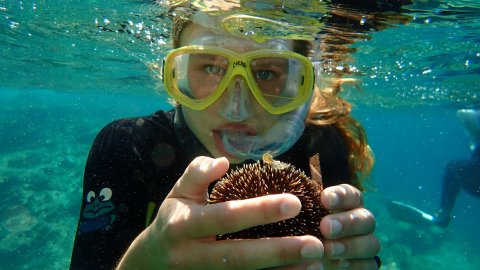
199 174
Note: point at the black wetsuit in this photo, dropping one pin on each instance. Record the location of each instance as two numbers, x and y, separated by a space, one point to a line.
459 175
134 163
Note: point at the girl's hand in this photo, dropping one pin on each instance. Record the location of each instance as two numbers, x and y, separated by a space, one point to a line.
182 236
349 230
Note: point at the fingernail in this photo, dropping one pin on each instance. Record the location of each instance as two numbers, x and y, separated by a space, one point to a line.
312 251
287 209
317 266
215 162
337 248
333 199
212 164
335 227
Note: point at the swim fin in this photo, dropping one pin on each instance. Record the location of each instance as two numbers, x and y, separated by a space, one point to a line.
410 213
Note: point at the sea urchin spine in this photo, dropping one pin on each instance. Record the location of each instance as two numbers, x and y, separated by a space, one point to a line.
273 177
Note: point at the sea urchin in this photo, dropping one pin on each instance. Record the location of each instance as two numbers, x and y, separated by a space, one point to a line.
273 177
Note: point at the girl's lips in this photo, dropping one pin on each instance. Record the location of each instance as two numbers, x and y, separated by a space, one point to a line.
236 128
249 131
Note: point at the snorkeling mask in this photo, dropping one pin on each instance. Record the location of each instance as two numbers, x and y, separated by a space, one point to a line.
281 81
196 76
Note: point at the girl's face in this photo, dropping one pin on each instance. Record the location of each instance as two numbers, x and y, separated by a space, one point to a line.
236 110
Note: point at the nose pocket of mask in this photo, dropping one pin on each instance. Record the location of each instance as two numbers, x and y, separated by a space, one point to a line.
236 105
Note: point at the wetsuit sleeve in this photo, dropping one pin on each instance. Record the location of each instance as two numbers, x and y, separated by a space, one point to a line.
114 200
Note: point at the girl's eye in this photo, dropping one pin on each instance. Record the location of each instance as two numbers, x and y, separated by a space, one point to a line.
264 75
216 70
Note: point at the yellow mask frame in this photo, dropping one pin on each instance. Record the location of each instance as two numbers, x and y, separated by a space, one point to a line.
238 65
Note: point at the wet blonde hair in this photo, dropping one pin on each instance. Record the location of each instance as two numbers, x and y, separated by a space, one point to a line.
327 108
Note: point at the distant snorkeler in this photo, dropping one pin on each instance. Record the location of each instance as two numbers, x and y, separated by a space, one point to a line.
458 175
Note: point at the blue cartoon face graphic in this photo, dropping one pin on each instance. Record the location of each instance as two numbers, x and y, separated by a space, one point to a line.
98 212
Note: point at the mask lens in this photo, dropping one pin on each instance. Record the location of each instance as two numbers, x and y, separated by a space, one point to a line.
279 79
197 75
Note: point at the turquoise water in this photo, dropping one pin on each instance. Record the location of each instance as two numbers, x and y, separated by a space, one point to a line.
69 68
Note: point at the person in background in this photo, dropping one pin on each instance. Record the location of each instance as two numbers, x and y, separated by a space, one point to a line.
146 178
458 175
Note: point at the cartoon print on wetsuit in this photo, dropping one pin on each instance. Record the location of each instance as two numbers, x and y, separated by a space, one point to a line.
98 213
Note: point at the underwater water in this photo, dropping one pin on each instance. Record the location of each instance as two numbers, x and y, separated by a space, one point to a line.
69 68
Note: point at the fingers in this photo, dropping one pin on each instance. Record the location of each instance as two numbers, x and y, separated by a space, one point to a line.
348 218
252 253
349 223
349 243
364 246
341 197
234 216
199 173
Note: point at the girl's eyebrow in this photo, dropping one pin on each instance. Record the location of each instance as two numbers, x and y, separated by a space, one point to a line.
207 56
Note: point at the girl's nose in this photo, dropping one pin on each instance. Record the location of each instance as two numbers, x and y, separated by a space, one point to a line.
237 101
